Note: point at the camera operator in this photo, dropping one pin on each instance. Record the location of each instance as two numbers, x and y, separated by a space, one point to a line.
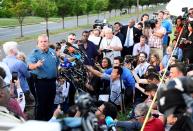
163 17
106 109
156 38
188 45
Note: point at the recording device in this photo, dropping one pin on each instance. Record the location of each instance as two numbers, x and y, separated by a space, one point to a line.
110 123
185 10
100 24
14 76
150 23
106 50
88 121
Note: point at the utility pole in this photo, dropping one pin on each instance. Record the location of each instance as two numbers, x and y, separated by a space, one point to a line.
137 10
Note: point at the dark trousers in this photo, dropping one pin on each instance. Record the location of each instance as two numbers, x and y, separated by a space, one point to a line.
129 96
127 51
45 92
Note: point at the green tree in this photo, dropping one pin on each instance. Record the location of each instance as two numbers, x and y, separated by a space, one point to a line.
89 7
101 5
110 7
45 9
78 8
5 8
64 8
143 3
21 9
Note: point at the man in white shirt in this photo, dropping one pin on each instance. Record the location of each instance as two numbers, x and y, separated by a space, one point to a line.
110 45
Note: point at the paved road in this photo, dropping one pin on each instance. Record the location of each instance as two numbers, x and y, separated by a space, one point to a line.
28 46
14 32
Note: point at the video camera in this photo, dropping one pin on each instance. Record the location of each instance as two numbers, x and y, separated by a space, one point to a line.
150 23
185 10
88 121
101 23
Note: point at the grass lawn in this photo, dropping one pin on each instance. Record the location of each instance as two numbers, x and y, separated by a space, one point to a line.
12 22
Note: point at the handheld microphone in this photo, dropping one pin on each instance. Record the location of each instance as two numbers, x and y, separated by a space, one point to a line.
110 123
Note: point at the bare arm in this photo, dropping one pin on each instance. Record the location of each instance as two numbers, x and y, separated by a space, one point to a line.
140 88
117 48
34 66
142 81
95 72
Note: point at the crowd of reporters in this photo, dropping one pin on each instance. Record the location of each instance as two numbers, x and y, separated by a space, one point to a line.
122 68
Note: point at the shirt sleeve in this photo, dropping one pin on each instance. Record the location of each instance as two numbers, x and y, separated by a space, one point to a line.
106 76
32 59
24 70
135 50
108 71
130 79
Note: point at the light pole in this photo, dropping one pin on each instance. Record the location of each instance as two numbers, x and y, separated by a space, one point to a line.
137 10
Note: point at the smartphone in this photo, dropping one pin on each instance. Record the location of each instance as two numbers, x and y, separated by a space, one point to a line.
14 76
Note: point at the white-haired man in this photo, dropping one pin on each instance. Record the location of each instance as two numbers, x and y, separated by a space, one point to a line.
19 67
110 45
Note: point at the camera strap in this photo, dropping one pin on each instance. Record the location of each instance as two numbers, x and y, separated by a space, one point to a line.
100 42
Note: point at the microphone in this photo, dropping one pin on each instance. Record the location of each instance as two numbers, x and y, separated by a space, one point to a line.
110 123
67 63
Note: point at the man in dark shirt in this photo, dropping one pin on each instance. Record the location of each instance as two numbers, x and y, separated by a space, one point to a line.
88 48
117 29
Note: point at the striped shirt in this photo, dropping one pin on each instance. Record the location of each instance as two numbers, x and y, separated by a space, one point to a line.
155 41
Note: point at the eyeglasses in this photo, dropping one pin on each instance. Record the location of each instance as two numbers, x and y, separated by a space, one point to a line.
138 116
99 110
5 86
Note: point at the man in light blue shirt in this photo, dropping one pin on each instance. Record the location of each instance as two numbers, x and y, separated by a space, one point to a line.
15 65
141 47
142 67
115 83
43 62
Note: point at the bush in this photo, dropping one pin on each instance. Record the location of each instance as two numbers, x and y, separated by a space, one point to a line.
4 13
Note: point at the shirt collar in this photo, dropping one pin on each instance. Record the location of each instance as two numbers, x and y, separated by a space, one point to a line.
42 52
